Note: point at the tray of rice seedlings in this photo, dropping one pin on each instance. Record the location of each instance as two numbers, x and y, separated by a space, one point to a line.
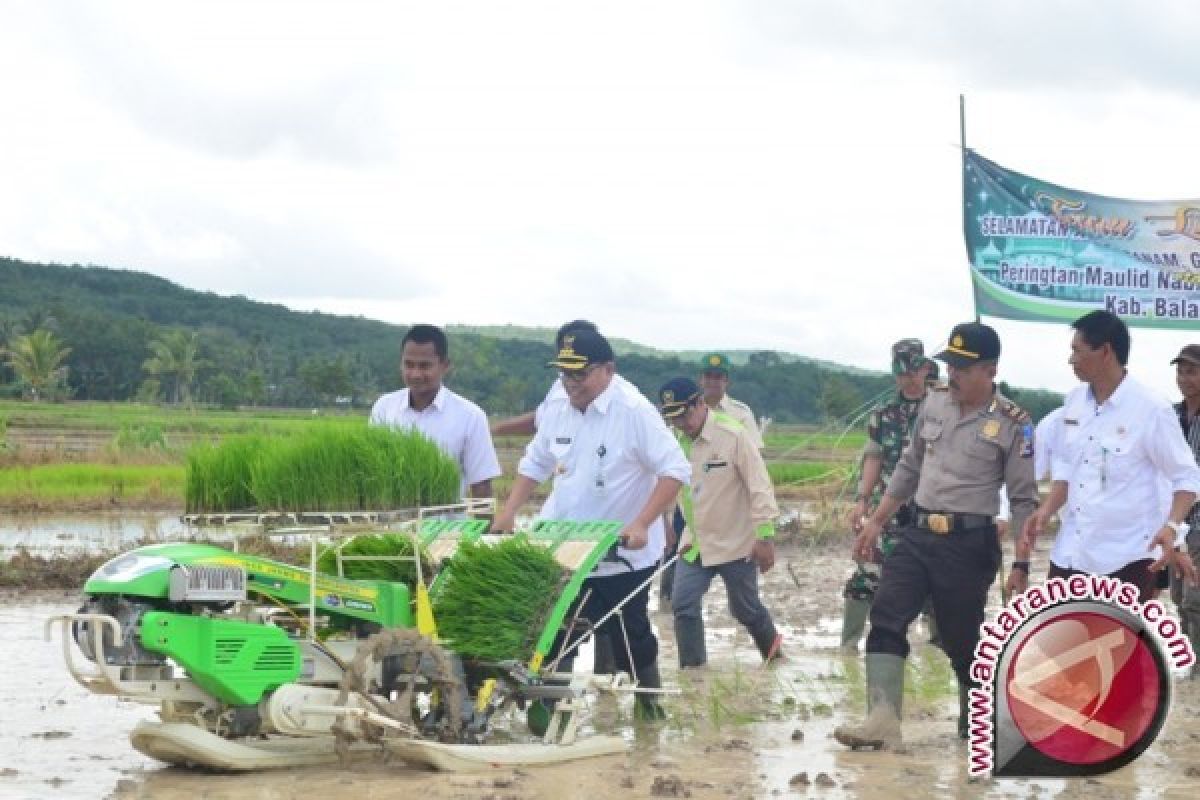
390 554
492 600
218 476
330 466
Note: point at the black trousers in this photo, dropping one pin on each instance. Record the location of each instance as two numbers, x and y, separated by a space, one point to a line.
605 594
955 570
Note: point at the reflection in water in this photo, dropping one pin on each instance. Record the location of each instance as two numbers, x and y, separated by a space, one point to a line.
85 533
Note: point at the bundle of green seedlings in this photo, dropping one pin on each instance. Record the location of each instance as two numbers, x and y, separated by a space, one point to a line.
330 466
218 477
392 559
493 599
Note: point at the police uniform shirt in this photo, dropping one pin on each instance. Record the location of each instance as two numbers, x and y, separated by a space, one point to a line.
1120 460
958 463
732 499
605 462
457 425
743 414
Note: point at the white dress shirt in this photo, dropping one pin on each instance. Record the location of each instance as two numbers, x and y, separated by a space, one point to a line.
1045 437
458 426
1117 458
557 394
605 462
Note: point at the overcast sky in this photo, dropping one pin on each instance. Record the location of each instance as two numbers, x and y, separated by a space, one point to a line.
777 174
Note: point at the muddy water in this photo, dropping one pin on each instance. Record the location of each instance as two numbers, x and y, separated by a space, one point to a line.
75 534
736 731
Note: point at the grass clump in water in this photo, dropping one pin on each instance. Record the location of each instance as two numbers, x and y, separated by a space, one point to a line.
331 466
493 599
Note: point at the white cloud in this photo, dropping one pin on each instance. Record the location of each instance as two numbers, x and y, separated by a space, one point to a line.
689 174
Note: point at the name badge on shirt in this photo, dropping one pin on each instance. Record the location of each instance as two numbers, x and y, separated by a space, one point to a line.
563 440
711 465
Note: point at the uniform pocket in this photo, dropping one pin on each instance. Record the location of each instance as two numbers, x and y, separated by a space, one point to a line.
983 449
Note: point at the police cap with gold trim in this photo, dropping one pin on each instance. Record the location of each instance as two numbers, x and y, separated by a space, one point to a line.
970 343
676 395
581 349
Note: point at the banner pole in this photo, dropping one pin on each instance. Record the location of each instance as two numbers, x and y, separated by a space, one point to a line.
962 145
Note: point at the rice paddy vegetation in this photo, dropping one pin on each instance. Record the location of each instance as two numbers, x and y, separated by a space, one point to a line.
390 559
804 461
112 417
327 467
492 600
90 486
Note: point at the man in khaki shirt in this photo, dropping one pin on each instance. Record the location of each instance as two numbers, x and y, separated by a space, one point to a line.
967 442
714 380
730 513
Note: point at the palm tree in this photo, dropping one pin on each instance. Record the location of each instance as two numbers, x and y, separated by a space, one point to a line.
37 359
175 360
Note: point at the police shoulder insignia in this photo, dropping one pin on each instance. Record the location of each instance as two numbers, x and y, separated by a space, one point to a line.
1014 412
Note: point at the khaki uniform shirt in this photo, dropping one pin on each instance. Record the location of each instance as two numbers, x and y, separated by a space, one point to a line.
730 500
958 463
743 414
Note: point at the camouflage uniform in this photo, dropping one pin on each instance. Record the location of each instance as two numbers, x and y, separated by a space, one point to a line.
889 429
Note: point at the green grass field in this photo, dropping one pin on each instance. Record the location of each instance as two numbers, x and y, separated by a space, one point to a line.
90 486
91 417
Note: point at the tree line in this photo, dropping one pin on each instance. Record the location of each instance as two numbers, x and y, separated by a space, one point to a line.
92 333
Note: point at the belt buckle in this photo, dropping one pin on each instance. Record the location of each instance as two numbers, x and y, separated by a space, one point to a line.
938 523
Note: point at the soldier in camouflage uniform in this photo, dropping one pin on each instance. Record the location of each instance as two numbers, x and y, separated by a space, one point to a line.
888 430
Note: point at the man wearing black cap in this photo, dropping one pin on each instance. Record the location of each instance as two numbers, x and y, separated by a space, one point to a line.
968 441
612 458
889 429
1187 596
1120 444
730 512
526 424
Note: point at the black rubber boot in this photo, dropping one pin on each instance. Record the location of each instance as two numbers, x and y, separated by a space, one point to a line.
646 705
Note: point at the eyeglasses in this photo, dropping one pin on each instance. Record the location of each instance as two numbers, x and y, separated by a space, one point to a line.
576 375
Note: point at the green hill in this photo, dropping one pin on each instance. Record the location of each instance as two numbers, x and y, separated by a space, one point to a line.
263 353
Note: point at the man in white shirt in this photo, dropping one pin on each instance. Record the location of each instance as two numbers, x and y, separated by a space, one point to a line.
527 423
456 424
1045 435
612 458
1118 443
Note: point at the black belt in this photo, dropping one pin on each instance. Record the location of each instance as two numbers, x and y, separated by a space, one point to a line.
951 522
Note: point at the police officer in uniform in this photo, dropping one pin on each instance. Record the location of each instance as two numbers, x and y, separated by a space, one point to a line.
968 442
888 430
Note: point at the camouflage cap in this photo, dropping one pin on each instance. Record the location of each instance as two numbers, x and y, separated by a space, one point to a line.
908 355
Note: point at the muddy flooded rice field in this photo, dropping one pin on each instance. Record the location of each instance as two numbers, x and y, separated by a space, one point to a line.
735 730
